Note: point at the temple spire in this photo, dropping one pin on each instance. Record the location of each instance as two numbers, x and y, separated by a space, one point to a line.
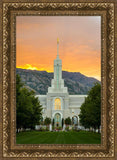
57 48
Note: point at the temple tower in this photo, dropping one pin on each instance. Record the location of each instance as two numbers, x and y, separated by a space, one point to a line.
57 84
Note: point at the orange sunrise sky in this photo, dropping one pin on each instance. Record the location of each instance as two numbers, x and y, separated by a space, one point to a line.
79 43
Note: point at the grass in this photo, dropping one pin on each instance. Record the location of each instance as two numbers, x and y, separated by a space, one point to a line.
71 137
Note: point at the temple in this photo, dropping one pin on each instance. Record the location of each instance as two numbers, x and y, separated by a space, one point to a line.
58 104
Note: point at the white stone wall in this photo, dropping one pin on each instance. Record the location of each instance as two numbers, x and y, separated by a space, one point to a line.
70 104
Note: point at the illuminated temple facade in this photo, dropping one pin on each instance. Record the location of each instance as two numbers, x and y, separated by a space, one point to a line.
58 104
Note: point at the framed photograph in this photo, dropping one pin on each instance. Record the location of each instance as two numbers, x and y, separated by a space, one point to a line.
58 65
65 76
63 94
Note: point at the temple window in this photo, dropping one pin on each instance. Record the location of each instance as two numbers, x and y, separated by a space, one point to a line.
57 104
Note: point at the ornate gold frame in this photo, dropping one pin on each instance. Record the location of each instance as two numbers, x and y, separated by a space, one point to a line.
9 11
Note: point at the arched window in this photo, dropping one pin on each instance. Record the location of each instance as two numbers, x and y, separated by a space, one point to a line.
57 104
75 120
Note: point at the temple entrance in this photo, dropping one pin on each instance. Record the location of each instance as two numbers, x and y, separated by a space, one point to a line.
57 120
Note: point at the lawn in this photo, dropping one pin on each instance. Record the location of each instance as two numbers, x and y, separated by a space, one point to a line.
71 137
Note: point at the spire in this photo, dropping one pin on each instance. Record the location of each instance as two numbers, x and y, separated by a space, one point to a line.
58 48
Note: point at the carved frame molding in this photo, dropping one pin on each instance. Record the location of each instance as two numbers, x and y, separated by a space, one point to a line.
10 11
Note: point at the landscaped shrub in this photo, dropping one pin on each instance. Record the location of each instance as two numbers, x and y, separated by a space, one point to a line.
67 128
59 128
68 121
40 129
47 121
47 128
43 128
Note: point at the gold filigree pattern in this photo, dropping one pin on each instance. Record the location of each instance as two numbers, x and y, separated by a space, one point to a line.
65 9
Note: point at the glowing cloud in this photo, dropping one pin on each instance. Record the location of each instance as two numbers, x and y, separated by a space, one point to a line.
79 46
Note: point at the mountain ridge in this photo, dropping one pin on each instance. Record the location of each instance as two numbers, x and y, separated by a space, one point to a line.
39 81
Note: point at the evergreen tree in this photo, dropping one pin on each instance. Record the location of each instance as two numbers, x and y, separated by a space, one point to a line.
28 108
47 121
90 114
62 122
68 121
